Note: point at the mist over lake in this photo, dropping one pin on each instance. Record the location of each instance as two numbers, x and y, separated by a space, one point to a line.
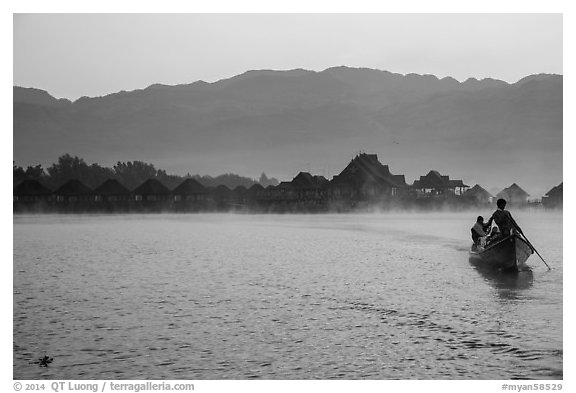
287 196
223 296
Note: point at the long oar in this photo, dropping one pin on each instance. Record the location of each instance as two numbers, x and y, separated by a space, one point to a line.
535 250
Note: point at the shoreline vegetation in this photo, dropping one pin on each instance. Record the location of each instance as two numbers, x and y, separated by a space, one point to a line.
365 185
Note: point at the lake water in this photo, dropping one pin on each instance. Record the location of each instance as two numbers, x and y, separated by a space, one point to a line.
381 296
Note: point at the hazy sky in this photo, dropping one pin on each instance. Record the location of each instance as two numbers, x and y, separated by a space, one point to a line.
72 55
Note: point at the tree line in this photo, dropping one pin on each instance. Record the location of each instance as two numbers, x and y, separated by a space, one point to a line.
131 174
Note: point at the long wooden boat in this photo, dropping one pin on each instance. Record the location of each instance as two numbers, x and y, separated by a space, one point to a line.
507 254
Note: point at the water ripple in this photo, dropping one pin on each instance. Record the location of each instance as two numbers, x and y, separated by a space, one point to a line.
276 297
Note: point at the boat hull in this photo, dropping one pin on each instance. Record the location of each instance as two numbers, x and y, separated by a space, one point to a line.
509 254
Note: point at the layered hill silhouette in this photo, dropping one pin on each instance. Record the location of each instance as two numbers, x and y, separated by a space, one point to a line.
482 131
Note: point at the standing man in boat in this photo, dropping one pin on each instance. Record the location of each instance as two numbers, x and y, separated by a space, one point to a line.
504 219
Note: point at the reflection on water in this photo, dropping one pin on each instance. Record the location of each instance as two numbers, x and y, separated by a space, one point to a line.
278 297
509 285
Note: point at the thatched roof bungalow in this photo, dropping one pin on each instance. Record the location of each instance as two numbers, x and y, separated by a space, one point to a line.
554 197
111 191
72 191
151 190
305 180
240 190
514 195
255 191
477 194
220 193
436 184
366 178
239 194
281 191
190 190
270 192
31 191
303 186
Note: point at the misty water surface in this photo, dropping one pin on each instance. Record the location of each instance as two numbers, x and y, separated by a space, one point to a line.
387 296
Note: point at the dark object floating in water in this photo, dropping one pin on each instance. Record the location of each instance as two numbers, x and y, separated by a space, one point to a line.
508 254
44 362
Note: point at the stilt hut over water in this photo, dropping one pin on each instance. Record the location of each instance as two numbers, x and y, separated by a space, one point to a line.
270 193
435 184
151 191
29 191
239 195
365 178
306 187
282 192
221 195
190 190
255 193
111 191
554 197
73 191
514 195
478 195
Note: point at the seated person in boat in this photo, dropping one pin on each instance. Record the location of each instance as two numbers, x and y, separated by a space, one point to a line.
504 219
479 232
494 236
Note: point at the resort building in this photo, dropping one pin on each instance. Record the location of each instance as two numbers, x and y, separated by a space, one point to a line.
221 194
435 184
256 193
151 191
239 195
478 195
190 191
73 191
112 191
303 187
365 178
30 191
554 197
514 195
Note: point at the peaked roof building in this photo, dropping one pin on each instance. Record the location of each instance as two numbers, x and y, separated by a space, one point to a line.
478 193
434 182
554 197
111 187
220 191
31 188
556 191
190 187
365 168
151 187
239 192
513 194
305 180
256 189
73 187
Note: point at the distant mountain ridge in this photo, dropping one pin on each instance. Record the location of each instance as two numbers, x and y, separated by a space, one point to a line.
370 78
286 121
36 96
